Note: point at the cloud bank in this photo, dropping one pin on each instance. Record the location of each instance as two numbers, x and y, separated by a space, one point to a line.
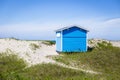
106 29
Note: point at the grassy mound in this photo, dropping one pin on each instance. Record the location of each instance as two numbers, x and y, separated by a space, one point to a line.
104 58
10 65
13 68
55 72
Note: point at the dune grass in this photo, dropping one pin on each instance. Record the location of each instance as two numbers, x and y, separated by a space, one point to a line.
55 72
14 68
104 58
9 65
48 42
34 46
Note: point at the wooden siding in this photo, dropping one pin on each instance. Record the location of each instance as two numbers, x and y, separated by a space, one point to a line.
74 45
74 32
72 40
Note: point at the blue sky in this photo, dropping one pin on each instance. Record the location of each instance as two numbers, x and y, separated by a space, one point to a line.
37 19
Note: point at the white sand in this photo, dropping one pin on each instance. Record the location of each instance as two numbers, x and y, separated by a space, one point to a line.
93 42
24 50
115 43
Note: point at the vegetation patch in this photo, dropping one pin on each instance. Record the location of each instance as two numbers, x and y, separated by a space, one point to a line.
34 46
10 65
48 42
55 72
13 68
104 58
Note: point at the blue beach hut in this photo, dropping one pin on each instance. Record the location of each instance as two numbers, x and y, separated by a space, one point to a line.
71 39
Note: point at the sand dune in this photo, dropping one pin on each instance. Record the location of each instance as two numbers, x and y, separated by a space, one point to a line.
24 50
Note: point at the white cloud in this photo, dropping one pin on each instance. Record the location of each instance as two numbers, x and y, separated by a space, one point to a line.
99 28
113 21
108 29
29 30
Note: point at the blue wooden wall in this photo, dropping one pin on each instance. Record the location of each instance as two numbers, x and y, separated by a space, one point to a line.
74 32
74 45
73 40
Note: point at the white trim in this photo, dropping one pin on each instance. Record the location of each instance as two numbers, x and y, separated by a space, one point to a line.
58 34
61 40
56 43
